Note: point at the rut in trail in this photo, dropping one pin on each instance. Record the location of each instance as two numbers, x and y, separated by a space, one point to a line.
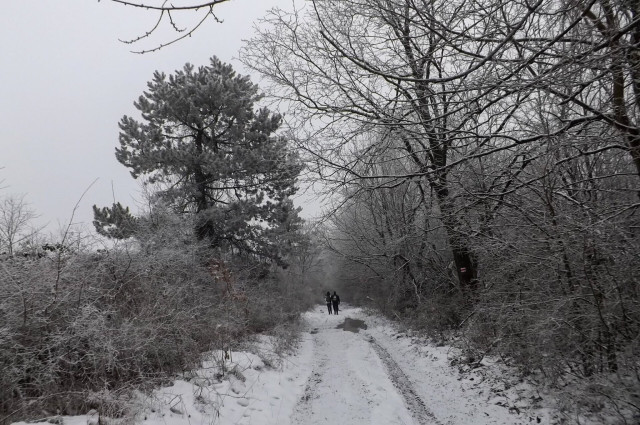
400 380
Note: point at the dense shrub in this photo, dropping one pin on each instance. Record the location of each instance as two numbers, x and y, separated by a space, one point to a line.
79 328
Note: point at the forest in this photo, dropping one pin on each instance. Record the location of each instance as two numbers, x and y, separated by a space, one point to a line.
480 162
487 157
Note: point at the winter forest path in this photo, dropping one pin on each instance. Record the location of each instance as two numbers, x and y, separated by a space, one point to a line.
353 379
351 369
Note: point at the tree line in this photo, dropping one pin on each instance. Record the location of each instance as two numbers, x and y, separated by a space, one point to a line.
487 159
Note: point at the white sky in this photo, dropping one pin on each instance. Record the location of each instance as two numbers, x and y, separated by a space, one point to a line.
65 82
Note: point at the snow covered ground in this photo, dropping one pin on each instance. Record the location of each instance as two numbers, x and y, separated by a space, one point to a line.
344 374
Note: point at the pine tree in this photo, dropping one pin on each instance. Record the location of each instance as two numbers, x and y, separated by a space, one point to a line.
116 222
216 156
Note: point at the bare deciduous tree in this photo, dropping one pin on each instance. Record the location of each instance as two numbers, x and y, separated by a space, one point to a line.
15 217
348 66
509 127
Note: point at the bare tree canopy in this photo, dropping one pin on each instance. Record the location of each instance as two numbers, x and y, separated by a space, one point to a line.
485 159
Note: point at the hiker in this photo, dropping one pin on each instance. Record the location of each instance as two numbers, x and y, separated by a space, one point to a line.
328 300
335 300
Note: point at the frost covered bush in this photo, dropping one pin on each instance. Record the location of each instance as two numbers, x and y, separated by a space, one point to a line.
92 322
81 324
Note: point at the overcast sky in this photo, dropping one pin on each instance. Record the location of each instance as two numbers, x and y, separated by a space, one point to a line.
65 82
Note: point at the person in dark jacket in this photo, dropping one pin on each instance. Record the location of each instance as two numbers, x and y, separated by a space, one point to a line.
327 298
335 300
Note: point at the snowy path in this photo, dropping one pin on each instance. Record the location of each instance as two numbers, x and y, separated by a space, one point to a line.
382 376
350 381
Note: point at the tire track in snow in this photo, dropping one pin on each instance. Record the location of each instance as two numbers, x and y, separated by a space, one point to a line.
404 386
303 407
348 384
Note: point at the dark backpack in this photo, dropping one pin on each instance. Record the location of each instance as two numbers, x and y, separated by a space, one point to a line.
335 298
328 298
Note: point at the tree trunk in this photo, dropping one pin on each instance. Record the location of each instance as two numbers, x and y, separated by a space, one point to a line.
466 266
204 227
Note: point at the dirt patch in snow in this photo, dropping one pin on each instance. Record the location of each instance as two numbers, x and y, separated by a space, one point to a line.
352 325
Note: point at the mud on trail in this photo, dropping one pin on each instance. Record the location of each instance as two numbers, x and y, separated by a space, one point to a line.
354 381
352 325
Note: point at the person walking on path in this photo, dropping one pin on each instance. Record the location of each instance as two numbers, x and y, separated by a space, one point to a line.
335 300
328 300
